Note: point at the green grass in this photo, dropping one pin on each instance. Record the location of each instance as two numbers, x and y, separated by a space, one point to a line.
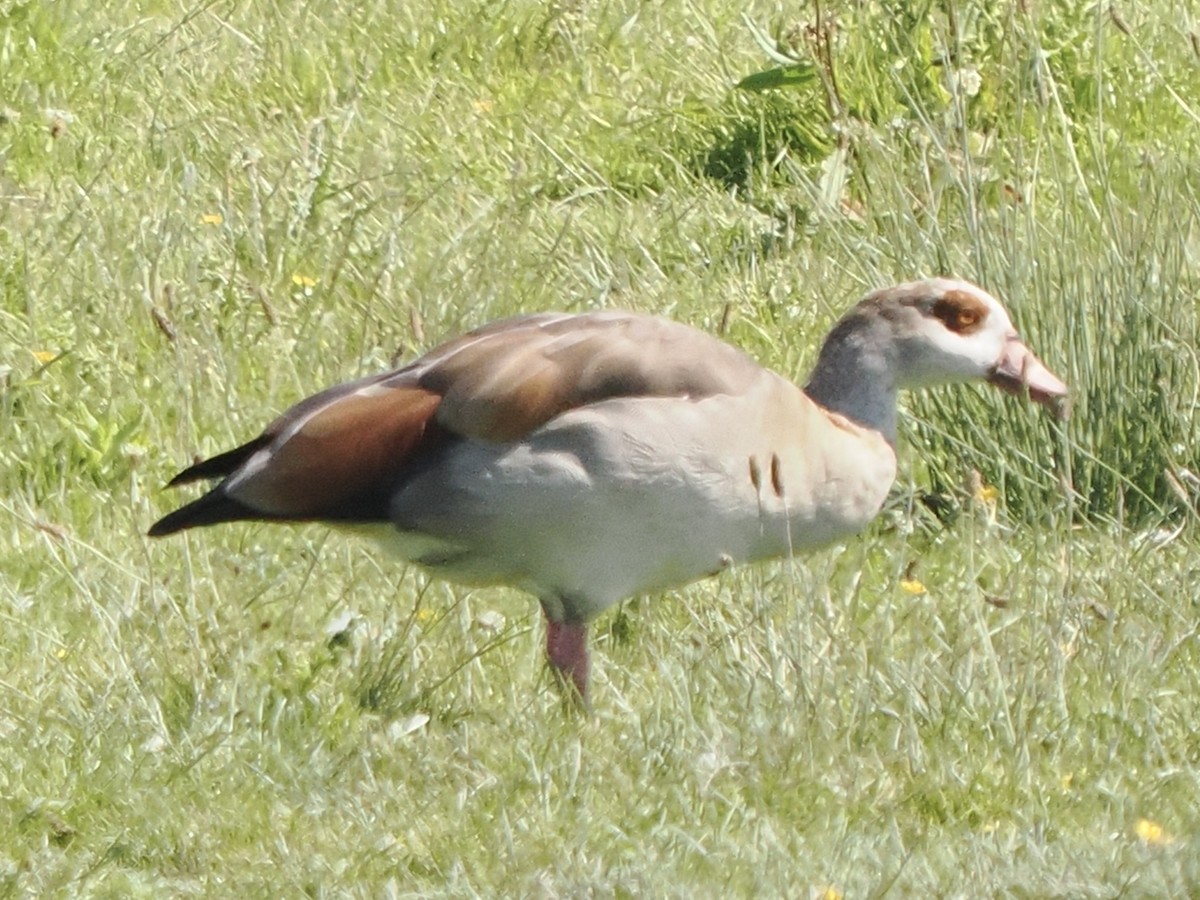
208 212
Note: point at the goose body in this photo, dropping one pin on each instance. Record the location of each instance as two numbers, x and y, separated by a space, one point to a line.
588 458
629 496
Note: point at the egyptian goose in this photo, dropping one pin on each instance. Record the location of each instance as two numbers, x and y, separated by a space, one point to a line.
587 458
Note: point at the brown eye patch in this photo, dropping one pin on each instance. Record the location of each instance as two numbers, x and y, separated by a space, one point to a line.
961 312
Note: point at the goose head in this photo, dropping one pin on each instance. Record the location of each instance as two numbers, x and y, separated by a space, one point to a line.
922 334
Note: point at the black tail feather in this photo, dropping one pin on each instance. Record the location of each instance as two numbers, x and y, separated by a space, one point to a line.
212 508
220 465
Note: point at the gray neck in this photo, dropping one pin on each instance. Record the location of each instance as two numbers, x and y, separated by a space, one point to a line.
853 377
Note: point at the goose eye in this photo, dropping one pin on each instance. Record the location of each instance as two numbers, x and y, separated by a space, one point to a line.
961 313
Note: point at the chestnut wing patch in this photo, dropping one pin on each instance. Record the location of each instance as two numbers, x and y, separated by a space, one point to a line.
339 462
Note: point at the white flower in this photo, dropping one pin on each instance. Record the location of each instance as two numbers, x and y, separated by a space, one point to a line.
970 81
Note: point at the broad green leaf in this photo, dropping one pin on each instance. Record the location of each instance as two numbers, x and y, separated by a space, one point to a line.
779 77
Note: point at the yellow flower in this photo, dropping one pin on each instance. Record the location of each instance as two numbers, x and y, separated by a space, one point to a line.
304 281
483 106
987 493
1151 832
981 491
212 218
829 893
45 356
912 586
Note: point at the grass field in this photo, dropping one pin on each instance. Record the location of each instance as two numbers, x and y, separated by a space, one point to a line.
209 211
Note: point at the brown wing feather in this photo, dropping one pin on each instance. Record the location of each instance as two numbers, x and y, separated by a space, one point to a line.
498 384
340 461
332 461
341 453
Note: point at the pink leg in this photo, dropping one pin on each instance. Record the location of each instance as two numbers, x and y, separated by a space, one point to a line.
566 647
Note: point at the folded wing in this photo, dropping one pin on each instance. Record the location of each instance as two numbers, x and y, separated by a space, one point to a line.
341 454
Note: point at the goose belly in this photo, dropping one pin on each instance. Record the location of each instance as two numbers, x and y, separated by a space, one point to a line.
625 497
